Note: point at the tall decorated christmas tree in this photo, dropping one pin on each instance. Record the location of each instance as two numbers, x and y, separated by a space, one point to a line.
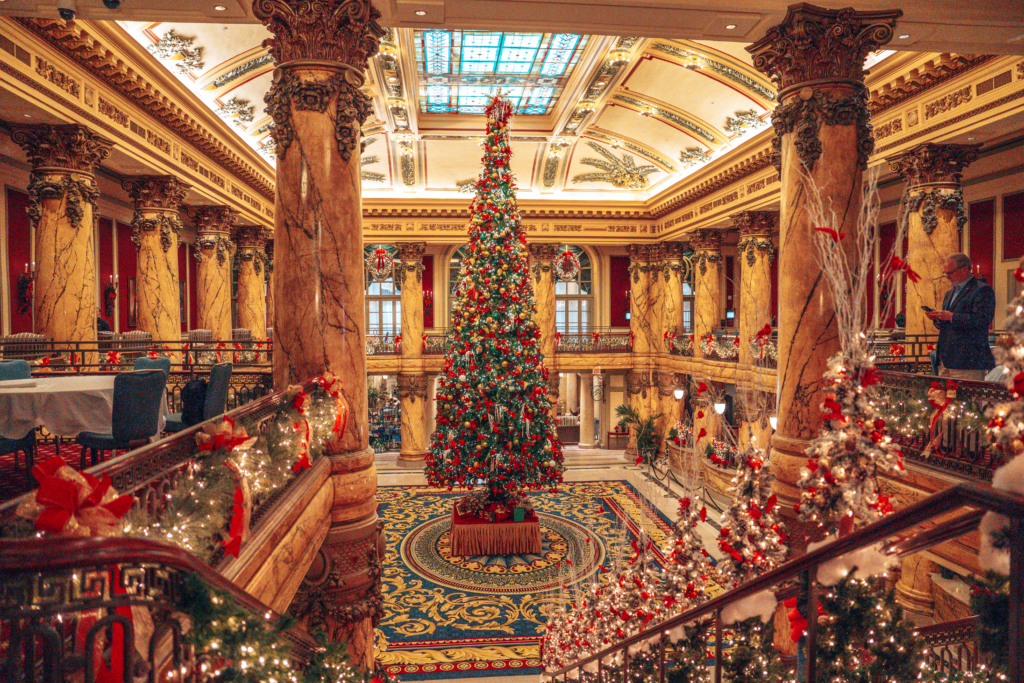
494 421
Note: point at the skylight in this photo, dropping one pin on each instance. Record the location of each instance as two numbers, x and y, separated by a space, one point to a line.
459 71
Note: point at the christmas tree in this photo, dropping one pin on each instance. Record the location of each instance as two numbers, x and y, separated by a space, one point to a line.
493 414
686 560
751 536
1006 427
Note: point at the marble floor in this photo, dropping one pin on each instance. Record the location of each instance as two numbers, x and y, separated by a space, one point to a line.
581 465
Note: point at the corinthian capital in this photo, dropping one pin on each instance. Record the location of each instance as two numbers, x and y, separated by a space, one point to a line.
813 43
213 219
706 240
411 252
343 31
67 147
934 163
250 236
156 191
543 253
751 223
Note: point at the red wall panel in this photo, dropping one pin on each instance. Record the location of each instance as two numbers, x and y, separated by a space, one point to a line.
19 253
428 292
886 240
982 216
775 290
193 291
127 260
618 287
105 259
1013 226
182 276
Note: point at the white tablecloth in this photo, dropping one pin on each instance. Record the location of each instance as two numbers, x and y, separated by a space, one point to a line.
65 405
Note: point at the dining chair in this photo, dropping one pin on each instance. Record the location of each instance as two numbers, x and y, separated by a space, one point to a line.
216 398
135 416
153 364
18 369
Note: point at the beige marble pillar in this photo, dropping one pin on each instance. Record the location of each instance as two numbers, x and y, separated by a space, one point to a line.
251 259
572 390
815 57
707 296
586 403
667 406
541 256
936 220
317 105
410 276
638 390
756 252
271 307
214 251
675 269
412 392
642 309
156 229
63 212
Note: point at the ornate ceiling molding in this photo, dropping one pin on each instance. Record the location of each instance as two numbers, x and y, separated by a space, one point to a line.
700 130
904 86
97 58
690 55
617 141
752 164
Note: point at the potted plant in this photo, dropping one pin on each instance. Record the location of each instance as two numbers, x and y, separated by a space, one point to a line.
644 428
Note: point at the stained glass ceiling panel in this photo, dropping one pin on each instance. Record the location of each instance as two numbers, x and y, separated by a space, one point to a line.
459 71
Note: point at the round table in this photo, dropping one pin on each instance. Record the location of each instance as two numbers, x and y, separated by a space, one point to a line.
64 405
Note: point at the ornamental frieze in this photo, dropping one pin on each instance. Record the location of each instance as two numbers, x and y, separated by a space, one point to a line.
156 191
813 107
71 147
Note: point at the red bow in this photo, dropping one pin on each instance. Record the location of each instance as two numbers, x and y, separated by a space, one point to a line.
597 337
631 337
381 254
940 408
896 350
558 339
834 234
701 388
1018 274
398 343
899 264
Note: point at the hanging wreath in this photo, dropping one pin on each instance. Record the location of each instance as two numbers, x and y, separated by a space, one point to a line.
109 298
380 264
567 266
25 287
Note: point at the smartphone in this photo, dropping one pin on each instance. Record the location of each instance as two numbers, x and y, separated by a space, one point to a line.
927 309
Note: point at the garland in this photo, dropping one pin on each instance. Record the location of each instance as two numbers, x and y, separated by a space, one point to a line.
26 286
109 298
711 346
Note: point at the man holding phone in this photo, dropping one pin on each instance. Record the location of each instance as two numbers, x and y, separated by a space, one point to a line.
963 322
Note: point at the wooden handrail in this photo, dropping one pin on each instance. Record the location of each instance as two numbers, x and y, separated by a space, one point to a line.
962 495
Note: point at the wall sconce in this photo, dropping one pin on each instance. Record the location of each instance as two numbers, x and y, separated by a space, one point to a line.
720 408
773 420
679 393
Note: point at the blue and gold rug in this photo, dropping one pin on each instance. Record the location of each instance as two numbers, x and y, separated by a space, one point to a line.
450 617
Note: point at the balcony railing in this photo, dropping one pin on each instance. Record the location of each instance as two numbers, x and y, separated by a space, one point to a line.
119 352
952 438
594 340
943 517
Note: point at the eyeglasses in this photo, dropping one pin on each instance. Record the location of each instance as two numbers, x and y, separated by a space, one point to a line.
947 273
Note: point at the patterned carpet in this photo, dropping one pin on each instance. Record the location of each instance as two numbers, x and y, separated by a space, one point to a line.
451 617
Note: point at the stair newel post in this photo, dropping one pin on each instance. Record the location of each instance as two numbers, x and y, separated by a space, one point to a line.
718 645
812 624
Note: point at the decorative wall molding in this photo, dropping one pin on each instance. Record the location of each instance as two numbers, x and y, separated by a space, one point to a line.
922 79
747 167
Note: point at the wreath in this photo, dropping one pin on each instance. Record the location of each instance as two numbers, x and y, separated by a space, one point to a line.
109 298
566 266
380 264
25 287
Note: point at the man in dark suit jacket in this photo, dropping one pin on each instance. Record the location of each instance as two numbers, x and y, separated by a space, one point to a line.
963 323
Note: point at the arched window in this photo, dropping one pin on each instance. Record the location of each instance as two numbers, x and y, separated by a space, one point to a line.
454 267
688 297
574 297
383 292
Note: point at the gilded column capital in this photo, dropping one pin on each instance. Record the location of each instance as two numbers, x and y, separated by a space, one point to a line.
321 48
156 191
818 44
410 252
707 245
932 163
61 147
666 383
212 219
673 251
341 31
412 386
543 252
756 229
250 237
637 382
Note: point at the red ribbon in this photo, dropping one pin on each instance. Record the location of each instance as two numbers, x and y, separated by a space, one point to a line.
303 462
951 387
834 234
398 343
558 339
597 337
380 253
899 264
233 543
631 338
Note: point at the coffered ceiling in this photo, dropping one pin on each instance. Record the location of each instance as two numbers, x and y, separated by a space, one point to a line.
596 115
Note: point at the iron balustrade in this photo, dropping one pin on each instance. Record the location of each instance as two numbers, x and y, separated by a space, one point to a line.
594 340
912 529
958 443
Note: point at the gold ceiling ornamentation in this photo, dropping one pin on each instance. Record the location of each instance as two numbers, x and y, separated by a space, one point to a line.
692 156
622 173
369 160
171 46
742 121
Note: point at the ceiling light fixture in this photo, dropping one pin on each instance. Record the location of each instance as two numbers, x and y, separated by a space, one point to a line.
220 8
420 13
970 138
904 36
729 27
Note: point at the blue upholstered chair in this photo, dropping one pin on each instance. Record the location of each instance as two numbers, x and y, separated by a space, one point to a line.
18 369
153 364
136 414
216 398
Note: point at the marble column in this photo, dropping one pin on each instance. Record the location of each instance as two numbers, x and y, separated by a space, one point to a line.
572 390
674 271
642 308
412 392
756 251
936 219
586 402
704 415
410 274
707 296
271 306
914 590
815 57
315 100
638 387
214 252
541 256
667 406
63 212
156 229
251 258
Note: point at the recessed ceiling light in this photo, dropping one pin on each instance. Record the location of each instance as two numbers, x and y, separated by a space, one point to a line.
971 138
28 116
904 36
729 27
420 13
220 8
392 79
